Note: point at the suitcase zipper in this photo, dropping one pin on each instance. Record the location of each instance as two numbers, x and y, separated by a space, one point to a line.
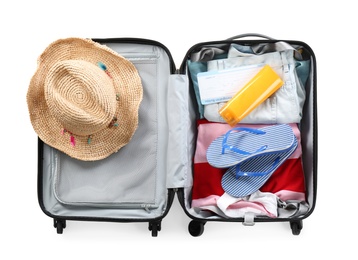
147 207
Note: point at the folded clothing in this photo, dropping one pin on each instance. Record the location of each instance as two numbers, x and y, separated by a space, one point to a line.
284 106
286 183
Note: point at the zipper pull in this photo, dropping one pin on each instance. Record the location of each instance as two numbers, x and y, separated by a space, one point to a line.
146 207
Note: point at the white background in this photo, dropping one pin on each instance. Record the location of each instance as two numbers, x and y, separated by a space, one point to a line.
329 27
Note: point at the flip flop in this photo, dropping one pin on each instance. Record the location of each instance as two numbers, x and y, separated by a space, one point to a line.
246 178
242 143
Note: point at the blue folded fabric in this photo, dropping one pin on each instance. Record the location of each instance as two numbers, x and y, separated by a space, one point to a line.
194 69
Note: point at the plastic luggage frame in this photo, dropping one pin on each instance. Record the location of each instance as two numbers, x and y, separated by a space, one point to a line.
168 114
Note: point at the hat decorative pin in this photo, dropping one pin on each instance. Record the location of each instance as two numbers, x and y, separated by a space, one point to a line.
104 68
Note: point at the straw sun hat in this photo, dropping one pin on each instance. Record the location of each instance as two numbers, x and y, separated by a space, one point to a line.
84 98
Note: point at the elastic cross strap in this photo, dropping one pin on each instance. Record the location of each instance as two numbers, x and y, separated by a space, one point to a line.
237 150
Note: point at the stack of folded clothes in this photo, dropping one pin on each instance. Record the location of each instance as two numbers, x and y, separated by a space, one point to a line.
249 168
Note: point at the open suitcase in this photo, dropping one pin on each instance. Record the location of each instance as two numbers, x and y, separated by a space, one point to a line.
140 181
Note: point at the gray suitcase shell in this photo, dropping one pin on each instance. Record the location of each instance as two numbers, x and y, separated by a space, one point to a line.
141 188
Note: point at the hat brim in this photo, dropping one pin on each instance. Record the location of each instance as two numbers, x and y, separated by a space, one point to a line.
127 84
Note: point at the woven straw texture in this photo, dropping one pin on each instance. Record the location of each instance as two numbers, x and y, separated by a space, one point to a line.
70 96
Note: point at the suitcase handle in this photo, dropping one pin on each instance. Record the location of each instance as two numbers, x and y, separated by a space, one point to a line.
250 35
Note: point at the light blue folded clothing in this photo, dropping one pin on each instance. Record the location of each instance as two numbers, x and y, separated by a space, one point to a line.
284 106
194 69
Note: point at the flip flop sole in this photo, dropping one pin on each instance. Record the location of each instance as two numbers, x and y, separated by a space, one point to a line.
242 186
222 152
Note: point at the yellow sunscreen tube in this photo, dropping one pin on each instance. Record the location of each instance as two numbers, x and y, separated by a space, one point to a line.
257 90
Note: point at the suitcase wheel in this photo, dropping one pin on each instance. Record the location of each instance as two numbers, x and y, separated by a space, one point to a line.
59 224
296 227
155 227
196 228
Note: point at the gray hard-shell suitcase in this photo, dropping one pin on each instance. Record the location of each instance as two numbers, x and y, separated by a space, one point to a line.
139 182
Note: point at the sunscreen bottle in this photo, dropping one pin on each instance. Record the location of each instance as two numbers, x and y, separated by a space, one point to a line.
257 90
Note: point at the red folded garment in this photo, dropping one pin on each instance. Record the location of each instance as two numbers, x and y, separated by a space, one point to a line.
287 182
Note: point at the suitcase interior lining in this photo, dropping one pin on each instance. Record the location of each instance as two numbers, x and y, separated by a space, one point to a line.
112 187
